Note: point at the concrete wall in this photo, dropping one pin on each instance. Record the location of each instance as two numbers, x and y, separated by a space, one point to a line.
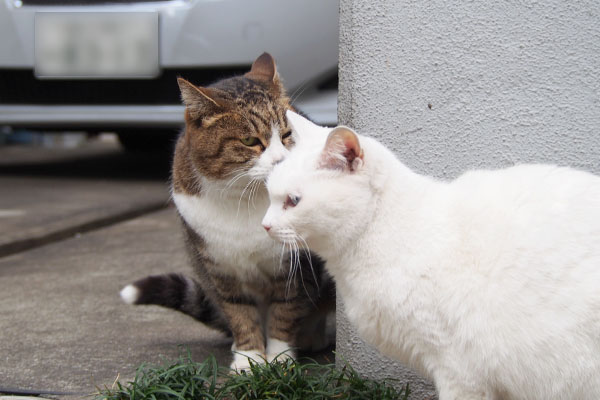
457 85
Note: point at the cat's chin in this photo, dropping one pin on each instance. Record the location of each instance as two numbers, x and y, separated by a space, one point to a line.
276 237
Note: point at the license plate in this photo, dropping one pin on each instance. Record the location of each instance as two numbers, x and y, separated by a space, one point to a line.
96 45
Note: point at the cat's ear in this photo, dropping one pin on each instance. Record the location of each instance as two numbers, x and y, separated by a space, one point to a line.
264 69
342 150
201 101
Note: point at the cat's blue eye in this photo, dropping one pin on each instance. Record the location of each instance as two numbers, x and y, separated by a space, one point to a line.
291 201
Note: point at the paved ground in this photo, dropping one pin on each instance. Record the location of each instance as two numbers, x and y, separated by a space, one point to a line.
50 194
63 328
75 226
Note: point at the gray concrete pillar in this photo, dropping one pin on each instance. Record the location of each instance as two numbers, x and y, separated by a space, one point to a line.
454 85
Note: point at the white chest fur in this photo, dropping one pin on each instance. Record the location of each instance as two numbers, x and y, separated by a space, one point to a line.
232 231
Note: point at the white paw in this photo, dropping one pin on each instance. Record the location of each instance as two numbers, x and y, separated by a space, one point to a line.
243 358
279 350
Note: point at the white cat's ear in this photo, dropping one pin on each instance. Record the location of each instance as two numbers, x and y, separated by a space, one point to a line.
299 123
342 150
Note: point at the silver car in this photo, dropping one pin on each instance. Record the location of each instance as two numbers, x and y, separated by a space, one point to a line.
112 64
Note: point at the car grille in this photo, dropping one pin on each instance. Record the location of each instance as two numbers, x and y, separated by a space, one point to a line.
22 87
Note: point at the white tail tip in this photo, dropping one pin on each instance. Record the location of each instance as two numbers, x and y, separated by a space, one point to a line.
130 294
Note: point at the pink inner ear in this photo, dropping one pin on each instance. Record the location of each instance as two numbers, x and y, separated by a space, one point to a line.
341 150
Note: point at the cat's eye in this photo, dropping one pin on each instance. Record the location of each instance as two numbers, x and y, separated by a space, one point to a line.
250 141
291 201
286 135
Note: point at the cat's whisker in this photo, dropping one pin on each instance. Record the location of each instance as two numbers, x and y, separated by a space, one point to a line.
299 268
250 193
239 169
309 257
231 182
253 190
256 189
241 196
281 256
240 173
294 263
298 92
290 272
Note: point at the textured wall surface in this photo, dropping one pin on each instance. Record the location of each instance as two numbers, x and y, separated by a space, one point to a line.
452 86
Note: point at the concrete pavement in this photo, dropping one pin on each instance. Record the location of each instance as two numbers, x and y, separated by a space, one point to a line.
63 327
50 194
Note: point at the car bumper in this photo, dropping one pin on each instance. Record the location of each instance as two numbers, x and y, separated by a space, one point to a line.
321 107
88 117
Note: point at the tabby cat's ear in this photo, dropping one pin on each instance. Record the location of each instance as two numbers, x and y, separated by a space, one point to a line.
264 69
200 101
342 150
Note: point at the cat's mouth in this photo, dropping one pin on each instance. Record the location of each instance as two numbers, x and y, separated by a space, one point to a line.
287 238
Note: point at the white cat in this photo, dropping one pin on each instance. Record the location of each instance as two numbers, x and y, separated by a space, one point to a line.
489 284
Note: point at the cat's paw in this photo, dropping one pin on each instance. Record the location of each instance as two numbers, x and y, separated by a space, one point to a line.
278 350
243 359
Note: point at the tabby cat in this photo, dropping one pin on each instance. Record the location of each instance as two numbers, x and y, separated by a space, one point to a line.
246 285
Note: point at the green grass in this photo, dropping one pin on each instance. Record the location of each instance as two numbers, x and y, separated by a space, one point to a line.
186 379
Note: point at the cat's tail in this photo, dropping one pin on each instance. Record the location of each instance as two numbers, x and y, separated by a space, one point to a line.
178 292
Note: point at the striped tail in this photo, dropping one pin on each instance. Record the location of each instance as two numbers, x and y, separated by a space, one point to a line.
178 292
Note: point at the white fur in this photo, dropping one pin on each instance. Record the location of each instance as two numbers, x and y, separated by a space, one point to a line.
241 359
489 284
232 231
278 350
130 294
272 155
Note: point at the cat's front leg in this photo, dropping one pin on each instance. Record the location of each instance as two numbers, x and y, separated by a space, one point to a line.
244 319
248 338
289 308
282 331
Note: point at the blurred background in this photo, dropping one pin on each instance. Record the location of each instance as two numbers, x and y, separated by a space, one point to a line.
75 70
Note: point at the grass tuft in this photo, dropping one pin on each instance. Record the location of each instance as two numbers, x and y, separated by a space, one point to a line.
185 379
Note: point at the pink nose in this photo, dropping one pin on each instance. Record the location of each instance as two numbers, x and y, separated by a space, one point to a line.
267 227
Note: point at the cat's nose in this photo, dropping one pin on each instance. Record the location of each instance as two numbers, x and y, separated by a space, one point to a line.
267 227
